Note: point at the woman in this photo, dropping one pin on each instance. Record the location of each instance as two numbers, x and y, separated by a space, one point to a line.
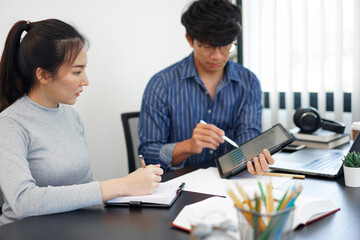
44 163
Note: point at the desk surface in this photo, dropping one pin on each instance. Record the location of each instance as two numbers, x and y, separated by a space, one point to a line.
153 223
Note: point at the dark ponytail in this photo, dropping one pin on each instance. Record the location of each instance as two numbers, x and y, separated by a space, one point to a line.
48 44
12 84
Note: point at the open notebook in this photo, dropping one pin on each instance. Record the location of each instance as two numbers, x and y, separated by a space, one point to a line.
164 196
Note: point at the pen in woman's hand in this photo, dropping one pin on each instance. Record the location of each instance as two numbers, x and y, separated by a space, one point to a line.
142 161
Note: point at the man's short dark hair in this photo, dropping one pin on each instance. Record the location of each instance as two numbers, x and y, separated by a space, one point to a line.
215 22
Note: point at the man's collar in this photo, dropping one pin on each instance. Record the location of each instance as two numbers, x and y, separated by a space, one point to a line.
189 68
230 72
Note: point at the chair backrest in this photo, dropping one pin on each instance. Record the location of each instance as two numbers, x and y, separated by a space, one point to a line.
1 201
130 122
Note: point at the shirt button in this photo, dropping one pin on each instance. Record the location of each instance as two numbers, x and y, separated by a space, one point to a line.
207 93
209 111
211 151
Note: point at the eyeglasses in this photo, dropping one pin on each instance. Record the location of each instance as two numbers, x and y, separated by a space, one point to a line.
207 49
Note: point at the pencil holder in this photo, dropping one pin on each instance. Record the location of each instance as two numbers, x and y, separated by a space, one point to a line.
255 225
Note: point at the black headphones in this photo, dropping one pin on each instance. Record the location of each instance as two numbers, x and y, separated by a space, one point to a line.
308 120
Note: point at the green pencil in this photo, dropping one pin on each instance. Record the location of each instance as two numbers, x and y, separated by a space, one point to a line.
281 201
262 192
256 217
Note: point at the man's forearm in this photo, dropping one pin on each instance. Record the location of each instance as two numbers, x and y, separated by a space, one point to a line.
181 152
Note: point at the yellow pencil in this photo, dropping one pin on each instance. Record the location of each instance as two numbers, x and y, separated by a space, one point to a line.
236 200
239 204
244 196
267 197
142 161
271 197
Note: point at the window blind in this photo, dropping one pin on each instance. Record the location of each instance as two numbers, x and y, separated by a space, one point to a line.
304 50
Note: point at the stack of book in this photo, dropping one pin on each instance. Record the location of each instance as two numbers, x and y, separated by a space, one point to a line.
320 139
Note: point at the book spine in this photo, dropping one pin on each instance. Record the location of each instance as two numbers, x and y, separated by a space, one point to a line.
322 216
323 139
324 145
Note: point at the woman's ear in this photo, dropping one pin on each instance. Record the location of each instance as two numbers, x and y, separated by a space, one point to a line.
43 76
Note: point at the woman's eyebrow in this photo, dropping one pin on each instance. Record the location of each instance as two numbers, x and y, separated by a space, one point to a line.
78 66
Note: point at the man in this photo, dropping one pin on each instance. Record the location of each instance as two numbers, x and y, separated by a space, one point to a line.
204 86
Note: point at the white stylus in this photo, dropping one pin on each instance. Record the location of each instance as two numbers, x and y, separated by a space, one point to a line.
224 137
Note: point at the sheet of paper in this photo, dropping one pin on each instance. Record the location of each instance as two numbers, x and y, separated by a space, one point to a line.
208 181
205 181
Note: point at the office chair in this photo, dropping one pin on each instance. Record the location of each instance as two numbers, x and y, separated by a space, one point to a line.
130 122
1 201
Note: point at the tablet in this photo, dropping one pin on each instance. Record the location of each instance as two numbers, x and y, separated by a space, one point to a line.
273 139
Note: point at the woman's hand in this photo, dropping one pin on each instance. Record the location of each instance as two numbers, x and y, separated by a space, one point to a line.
143 181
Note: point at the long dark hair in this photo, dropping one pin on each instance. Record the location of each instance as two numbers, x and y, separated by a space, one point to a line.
48 44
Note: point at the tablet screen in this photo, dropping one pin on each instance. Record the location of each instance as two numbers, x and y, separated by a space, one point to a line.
273 137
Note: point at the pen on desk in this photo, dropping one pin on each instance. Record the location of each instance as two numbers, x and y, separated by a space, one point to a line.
224 137
297 176
142 161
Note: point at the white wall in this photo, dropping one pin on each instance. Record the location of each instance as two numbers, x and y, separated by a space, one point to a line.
129 42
